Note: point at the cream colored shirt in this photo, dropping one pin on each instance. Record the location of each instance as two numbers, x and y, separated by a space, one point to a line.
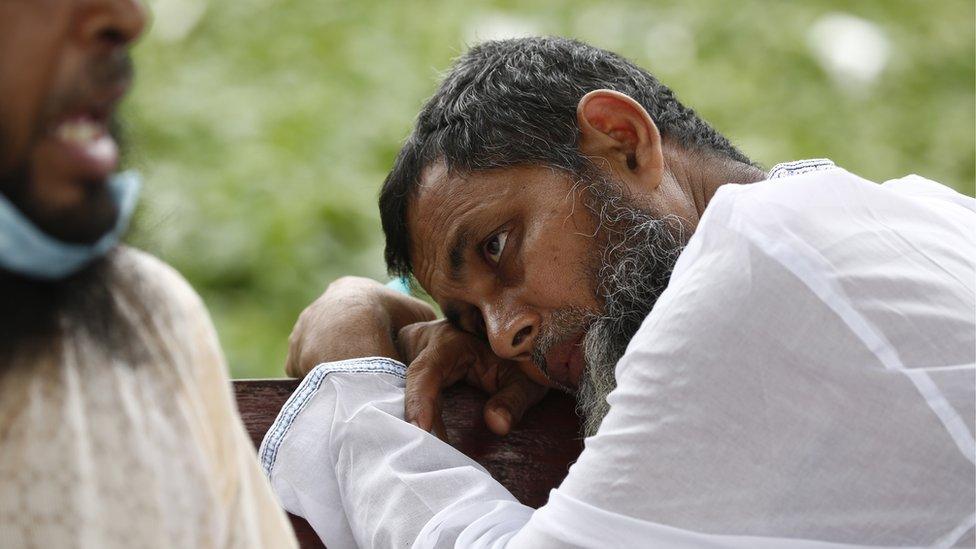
97 452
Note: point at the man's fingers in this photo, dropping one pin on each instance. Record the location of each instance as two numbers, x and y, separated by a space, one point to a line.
292 365
426 376
440 356
420 396
506 407
439 429
412 310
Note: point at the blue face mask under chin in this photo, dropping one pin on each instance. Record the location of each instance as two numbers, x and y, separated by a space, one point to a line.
26 250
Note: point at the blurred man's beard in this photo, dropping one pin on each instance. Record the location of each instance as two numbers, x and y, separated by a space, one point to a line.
35 314
83 223
630 273
104 303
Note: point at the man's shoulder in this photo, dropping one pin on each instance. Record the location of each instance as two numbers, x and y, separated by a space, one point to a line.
749 232
792 200
826 198
746 263
817 210
828 227
760 214
157 282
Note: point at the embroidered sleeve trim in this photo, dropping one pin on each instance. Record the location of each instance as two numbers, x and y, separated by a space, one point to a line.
798 167
307 389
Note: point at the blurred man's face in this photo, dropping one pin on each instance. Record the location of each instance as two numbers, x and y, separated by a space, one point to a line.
64 66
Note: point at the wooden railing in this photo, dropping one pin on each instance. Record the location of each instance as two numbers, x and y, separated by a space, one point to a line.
530 461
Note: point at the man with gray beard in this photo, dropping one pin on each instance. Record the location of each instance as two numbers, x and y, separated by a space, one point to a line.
764 359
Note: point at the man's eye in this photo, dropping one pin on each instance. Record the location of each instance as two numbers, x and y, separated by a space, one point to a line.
495 246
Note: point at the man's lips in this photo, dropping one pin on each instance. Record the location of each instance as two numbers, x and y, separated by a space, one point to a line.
565 362
85 148
80 141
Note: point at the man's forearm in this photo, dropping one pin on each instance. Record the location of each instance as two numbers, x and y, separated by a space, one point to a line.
354 317
341 456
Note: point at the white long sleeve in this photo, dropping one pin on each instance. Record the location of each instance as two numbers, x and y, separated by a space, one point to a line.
341 456
808 379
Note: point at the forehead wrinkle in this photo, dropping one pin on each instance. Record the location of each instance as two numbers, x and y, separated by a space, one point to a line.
456 252
434 214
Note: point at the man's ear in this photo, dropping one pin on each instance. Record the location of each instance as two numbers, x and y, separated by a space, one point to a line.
618 129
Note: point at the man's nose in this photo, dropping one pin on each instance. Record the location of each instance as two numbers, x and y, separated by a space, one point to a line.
112 23
511 330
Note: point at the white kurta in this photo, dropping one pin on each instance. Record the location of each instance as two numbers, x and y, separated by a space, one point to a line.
806 380
98 451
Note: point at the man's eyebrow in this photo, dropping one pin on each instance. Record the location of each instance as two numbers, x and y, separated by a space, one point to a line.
455 252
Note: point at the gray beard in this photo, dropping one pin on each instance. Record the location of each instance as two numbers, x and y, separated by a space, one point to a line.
631 272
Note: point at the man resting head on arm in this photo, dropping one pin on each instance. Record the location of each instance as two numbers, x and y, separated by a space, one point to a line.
764 359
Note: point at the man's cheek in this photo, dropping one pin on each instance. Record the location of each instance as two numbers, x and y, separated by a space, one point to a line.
13 141
21 127
33 46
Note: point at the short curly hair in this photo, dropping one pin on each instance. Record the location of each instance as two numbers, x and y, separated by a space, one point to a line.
513 102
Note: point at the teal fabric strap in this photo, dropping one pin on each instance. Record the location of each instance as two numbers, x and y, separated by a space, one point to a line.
400 284
26 250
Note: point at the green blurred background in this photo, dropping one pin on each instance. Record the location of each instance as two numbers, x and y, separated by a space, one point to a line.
265 127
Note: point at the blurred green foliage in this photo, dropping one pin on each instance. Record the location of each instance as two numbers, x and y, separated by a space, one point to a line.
264 128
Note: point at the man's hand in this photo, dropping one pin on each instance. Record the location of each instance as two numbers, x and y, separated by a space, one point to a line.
440 355
355 317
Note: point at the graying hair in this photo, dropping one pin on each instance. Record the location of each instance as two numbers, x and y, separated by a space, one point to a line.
513 102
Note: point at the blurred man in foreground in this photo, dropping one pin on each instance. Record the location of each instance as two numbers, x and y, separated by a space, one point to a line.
764 359
117 426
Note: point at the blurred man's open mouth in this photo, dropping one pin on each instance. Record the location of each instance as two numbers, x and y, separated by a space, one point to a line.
82 140
88 148
65 189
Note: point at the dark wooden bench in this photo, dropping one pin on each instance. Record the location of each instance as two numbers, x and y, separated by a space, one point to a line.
530 461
